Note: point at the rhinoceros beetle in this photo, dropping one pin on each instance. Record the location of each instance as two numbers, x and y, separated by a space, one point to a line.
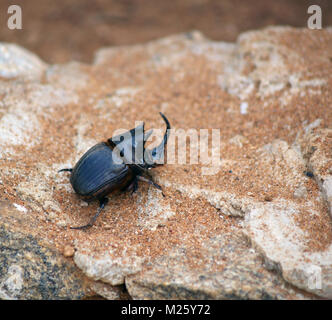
117 164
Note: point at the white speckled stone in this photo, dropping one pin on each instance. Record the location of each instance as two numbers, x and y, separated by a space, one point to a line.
17 62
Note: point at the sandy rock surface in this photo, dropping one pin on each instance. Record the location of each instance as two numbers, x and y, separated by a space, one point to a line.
258 227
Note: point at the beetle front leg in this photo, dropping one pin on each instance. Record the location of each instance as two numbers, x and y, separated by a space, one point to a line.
102 204
150 181
133 186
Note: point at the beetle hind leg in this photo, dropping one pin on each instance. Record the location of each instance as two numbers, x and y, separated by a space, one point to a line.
66 169
102 204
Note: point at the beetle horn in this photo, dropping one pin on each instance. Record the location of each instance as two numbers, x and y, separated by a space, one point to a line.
157 153
147 134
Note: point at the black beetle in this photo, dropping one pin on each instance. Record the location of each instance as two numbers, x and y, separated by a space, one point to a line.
116 164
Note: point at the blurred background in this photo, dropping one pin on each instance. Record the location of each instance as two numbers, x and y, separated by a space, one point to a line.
62 30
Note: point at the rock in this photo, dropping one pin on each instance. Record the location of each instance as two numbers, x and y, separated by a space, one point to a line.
68 251
226 269
300 192
257 228
16 62
29 269
107 268
109 292
273 231
327 190
238 140
316 144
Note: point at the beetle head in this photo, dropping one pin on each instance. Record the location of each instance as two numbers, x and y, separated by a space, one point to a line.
131 146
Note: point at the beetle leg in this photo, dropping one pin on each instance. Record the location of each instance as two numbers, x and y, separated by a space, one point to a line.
133 186
102 205
150 181
66 169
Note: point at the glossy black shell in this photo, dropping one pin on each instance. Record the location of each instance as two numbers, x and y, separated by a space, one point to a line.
96 174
